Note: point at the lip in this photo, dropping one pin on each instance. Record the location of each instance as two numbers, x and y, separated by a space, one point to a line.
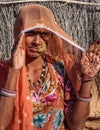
32 49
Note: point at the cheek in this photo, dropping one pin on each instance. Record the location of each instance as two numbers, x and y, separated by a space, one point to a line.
46 40
28 40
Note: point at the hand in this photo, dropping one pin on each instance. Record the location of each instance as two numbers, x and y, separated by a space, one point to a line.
18 53
90 62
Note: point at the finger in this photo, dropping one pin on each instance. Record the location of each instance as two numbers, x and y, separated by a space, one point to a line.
21 42
83 61
94 47
94 57
83 54
18 38
85 58
16 59
91 47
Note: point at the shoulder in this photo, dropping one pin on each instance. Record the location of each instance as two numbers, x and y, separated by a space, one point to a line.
4 67
5 63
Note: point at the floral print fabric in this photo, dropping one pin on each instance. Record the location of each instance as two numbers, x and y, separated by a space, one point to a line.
49 103
46 107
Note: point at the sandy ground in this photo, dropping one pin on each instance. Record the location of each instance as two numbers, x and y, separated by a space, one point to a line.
93 125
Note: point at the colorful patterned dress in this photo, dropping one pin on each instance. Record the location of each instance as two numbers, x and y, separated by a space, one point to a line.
50 101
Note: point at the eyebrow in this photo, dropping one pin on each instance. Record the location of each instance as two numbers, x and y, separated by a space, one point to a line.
36 32
33 31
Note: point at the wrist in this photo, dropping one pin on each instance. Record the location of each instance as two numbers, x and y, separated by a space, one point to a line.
86 87
13 70
83 98
7 92
87 79
12 79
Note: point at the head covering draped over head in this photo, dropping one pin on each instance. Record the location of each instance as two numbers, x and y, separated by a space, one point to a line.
31 17
37 16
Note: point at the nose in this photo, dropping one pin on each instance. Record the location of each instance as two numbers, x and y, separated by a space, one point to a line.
37 39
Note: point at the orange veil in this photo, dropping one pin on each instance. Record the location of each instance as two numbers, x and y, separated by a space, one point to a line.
37 16
31 17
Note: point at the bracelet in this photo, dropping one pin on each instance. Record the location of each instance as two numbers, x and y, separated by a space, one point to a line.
84 80
8 93
84 99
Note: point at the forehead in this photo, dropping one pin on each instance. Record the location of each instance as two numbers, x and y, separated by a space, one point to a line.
40 30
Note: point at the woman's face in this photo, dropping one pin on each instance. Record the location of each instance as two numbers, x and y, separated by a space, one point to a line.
36 42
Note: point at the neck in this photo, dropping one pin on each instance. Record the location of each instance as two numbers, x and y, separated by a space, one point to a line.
37 62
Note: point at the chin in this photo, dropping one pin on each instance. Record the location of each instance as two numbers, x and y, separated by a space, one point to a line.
33 55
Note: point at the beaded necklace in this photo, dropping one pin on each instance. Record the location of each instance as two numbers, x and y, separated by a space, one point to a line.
41 79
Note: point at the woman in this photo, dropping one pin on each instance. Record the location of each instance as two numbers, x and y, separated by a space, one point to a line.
40 86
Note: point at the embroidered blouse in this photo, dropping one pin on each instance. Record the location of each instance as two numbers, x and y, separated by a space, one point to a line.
51 100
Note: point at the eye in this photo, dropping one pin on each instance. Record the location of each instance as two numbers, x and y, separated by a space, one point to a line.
44 34
31 33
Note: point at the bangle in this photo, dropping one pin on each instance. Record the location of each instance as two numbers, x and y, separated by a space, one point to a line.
8 93
84 99
84 80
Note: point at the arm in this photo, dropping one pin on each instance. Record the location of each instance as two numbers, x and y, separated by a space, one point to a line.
90 65
80 111
7 102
